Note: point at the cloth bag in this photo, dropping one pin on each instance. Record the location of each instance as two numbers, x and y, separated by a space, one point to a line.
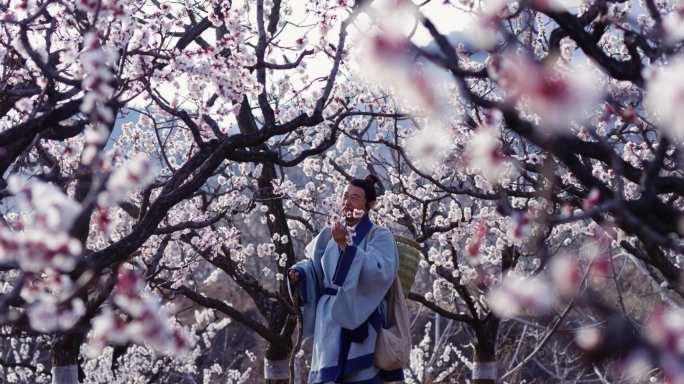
393 346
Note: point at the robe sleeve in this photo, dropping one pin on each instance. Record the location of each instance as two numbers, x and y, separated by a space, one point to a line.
307 294
364 276
309 284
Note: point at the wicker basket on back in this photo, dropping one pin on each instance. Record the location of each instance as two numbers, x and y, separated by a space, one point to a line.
409 256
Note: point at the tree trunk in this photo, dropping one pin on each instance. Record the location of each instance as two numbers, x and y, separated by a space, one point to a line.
278 315
65 351
484 368
278 373
65 366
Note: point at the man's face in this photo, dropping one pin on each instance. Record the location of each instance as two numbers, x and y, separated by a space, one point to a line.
354 198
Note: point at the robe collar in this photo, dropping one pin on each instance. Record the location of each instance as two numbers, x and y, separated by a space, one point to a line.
361 230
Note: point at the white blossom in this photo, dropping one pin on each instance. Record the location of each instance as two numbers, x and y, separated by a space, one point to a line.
518 294
663 98
559 96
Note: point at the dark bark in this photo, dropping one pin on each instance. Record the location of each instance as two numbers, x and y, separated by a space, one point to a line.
278 316
65 351
485 345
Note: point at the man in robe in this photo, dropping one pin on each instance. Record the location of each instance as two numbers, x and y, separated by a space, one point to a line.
342 286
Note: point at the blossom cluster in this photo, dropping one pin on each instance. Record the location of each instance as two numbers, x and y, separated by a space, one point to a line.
97 82
38 239
138 317
136 174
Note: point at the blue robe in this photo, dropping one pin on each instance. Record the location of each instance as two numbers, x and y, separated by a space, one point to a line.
343 306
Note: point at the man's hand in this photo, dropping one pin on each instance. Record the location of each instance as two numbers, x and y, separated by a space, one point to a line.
339 234
294 276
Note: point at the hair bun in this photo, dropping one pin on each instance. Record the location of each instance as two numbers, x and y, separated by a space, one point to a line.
371 178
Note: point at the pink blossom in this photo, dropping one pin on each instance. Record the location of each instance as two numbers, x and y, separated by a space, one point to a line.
97 75
557 5
517 295
483 153
558 96
665 330
393 16
592 199
386 61
429 146
521 220
47 308
136 174
665 98
478 237
565 274
673 25
599 254
588 338
41 241
148 322
49 208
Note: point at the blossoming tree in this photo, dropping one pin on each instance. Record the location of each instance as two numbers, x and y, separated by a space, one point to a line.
562 115
157 156
123 123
